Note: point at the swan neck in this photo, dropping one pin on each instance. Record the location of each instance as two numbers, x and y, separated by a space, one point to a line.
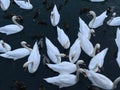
115 83
59 56
27 63
109 21
26 47
94 51
77 74
14 21
94 17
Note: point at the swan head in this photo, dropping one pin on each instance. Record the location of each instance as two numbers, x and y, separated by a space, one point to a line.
97 47
2 42
91 13
92 32
80 62
24 43
114 14
52 14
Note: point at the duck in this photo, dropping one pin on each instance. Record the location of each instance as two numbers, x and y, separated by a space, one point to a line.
64 80
97 61
117 41
24 4
114 21
75 51
98 21
18 53
4 4
87 46
4 47
84 29
63 38
33 60
65 67
54 16
101 80
12 28
53 52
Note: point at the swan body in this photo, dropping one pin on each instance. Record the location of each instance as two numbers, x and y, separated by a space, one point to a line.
117 40
52 51
17 53
65 67
4 4
87 46
97 21
100 80
12 28
33 60
4 47
84 29
97 61
97 0
114 21
55 16
75 51
63 38
24 4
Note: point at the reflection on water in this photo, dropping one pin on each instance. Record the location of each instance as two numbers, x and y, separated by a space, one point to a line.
36 22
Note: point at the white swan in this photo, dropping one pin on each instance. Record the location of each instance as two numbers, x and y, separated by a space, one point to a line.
75 51
63 38
4 4
55 16
117 40
87 46
97 21
100 80
97 0
64 80
97 61
18 53
4 47
33 60
84 29
65 67
24 4
12 28
53 52
114 21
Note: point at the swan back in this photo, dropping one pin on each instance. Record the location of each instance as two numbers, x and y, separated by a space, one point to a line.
52 51
5 4
63 38
35 57
55 16
99 80
75 51
97 60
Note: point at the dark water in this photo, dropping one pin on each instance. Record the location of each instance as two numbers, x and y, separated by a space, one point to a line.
105 35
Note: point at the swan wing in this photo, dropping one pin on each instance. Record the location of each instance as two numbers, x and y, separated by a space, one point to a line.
115 21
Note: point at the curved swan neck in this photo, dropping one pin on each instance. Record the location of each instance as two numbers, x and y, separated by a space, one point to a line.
26 47
94 17
95 49
14 21
27 63
79 62
58 57
77 73
115 83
